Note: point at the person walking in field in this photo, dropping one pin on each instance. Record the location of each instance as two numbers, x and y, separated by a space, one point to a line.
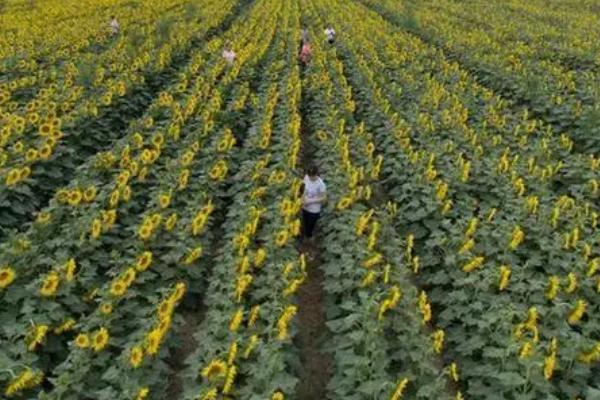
305 53
330 34
304 35
315 194
114 26
228 54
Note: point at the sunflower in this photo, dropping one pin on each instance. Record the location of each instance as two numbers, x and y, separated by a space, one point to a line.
198 223
344 203
113 200
281 238
170 222
155 219
89 194
123 178
70 268
7 276
126 194
33 118
153 340
215 369
31 155
118 288
12 178
65 326
142 393
36 336
82 340
164 309
142 174
106 309
50 285
148 122
136 356
180 289
18 147
62 195
193 255
145 231
26 380
106 99
129 277
56 135
211 394
164 325
75 197
144 261
215 173
100 339
109 218
158 140
24 173
183 179
260 257
45 152
164 200
45 129
138 140
187 158
322 136
96 228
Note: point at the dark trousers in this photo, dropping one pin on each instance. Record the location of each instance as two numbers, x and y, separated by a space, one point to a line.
309 221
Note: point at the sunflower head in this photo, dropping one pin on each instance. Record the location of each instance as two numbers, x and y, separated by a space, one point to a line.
136 356
118 288
45 129
153 340
214 370
100 339
89 194
144 261
82 340
50 284
106 308
7 276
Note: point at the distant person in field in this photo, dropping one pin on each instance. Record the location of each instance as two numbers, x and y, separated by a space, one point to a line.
330 34
305 53
315 194
228 54
304 35
114 26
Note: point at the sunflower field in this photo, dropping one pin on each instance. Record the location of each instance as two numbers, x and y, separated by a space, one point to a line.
151 194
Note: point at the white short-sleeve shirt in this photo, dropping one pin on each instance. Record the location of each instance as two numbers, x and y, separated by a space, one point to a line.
312 190
114 26
330 33
229 55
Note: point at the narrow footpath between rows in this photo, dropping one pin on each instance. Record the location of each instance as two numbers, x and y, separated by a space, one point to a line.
315 363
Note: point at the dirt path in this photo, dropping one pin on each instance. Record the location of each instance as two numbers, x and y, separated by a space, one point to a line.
315 364
193 316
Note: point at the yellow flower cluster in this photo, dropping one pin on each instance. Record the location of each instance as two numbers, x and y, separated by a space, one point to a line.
390 302
7 276
25 380
164 312
284 320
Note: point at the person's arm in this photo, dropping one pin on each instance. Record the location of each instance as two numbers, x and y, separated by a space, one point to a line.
317 200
